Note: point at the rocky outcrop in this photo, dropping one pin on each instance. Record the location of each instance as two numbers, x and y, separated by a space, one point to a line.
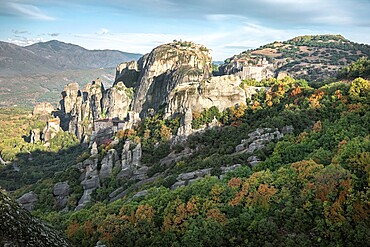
44 108
109 161
162 70
221 92
117 101
61 193
258 139
28 200
188 178
19 228
174 77
253 68
128 73
51 129
131 162
35 135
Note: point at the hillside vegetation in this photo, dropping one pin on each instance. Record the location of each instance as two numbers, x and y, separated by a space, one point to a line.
310 188
310 57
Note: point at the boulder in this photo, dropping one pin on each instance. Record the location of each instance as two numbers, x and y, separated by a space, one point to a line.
61 189
35 135
178 184
61 193
28 200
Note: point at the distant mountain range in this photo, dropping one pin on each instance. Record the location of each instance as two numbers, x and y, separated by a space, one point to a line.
55 56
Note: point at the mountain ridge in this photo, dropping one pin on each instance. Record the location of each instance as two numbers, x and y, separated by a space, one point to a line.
54 56
309 57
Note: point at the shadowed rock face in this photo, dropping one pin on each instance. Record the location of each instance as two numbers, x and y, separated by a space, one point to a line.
19 228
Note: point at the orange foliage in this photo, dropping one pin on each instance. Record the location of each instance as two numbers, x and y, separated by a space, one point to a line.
192 207
338 94
296 91
315 98
301 137
341 144
235 183
354 107
196 115
72 229
255 105
262 195
238 111
217 215
306 168
236 123
88 229
317 127
144 213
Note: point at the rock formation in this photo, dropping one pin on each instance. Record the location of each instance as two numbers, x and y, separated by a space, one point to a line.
51 129
44 108
61 193
35 135
174 78
262 69
19 228
28 200
117 100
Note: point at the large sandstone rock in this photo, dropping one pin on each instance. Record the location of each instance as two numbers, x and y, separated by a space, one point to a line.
131 162
44 108
221 92
28 200
128 73
162 70
107 164
116 101
245 70
51 129
61 193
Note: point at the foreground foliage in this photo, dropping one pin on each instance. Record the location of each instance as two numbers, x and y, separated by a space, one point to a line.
311 188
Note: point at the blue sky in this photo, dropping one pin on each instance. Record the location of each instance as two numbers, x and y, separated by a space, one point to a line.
227 27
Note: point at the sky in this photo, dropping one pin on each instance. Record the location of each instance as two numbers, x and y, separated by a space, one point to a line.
227 27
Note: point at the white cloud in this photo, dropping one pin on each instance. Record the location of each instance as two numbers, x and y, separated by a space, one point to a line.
25 41
30 11
102 31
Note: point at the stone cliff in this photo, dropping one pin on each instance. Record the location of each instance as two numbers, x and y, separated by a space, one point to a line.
159 72
174 78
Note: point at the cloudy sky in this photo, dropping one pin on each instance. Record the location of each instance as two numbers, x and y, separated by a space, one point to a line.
226 26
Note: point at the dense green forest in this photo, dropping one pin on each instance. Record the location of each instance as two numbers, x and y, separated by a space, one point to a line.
311 187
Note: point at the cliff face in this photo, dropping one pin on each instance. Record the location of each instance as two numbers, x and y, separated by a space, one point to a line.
221 92
79 108
159 72
174 77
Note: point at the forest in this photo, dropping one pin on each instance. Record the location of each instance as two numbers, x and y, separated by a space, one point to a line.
311 187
